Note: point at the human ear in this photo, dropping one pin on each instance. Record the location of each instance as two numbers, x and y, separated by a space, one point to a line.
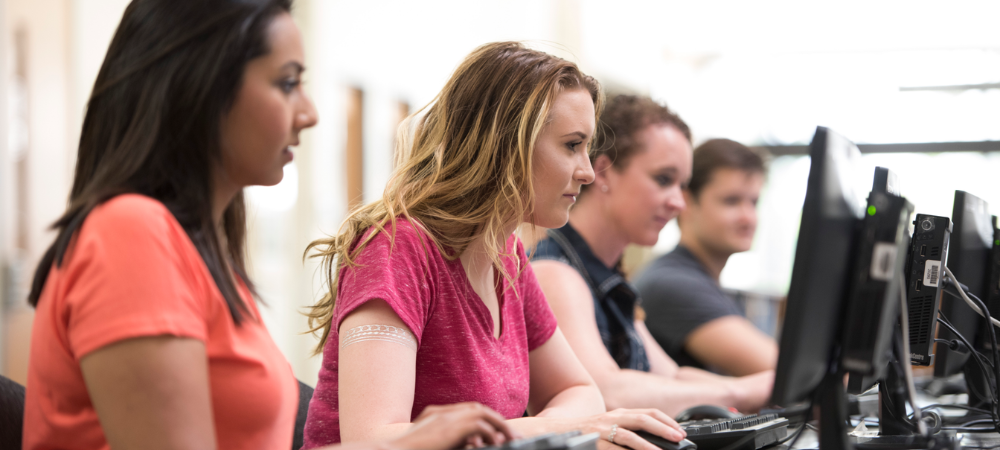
602 165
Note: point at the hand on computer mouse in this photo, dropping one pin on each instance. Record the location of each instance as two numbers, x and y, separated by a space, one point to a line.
467 424
617 428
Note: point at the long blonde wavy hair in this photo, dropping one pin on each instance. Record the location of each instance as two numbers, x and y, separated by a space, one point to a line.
466 170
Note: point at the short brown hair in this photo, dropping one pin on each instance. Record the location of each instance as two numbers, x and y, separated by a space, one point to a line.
623 116
715 154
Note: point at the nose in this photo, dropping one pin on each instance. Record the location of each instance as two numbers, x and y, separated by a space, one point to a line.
584 170
675 199
749 214
306 116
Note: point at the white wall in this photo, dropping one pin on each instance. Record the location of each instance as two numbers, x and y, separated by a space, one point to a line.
6 216
47 26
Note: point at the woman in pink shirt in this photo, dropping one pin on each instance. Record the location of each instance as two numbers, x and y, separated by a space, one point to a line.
432 300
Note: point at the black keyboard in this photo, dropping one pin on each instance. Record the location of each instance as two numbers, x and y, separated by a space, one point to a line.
572 440
754 431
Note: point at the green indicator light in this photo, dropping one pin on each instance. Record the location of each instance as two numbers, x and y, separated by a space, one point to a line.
871 210
996 242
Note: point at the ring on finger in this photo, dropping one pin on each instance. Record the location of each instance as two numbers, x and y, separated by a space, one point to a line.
611 435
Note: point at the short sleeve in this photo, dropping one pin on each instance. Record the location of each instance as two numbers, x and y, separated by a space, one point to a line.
129 274
396 270
678 303
540 322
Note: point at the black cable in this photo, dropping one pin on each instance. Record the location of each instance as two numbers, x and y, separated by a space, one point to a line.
792 435
975 422
978 356
937 422
805 422
739 442
990 380
970 430
942 319
996 356
965 407
981 360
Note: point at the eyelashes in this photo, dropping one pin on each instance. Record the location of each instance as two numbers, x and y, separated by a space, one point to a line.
289 85
663 180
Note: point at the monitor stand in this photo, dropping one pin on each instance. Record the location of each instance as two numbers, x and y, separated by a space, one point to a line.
894 431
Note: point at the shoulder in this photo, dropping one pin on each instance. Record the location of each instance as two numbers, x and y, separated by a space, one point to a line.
396 247
560 280
557 271
678 259
399 234
131 220
672 269
131 210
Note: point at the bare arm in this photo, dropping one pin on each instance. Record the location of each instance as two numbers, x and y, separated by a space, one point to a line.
375 398
152 393
734 345
571 301
564 397
560 386
660 363
569 400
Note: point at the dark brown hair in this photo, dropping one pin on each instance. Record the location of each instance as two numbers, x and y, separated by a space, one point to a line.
622 118
153 124
715 154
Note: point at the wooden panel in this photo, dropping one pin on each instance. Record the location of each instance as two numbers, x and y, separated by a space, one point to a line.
402 112
355 148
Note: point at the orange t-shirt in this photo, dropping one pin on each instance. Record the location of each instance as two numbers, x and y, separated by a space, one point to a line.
132 272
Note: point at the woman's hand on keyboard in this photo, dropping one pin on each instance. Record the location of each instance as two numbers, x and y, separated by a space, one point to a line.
629 420
455 426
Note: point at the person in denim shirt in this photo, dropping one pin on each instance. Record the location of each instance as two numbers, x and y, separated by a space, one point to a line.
641 168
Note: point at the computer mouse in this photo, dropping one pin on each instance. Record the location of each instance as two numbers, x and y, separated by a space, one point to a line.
664 444
701 412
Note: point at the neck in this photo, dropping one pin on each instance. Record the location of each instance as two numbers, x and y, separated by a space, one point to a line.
476 260
606 239
713 262
223 192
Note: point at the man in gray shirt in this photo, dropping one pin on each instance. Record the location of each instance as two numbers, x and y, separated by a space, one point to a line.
686 310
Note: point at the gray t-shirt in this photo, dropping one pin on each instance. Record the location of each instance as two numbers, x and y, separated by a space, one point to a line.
679 296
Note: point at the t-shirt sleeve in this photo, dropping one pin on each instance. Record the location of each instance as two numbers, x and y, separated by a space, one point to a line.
394 270
678 303
127 276
540 322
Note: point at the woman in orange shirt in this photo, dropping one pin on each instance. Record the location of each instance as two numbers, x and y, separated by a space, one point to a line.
146 333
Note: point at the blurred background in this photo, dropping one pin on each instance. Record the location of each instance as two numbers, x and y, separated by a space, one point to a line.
917 82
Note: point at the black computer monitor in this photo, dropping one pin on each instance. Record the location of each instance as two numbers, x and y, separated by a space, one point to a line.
831 216
971 243
993 302
872 302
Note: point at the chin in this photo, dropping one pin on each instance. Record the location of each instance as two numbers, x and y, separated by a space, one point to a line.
647 239
274 178
556 220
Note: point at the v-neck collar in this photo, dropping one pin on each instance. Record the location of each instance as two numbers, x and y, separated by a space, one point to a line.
483 311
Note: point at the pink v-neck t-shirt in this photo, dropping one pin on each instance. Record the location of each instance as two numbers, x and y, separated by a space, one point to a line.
458 358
